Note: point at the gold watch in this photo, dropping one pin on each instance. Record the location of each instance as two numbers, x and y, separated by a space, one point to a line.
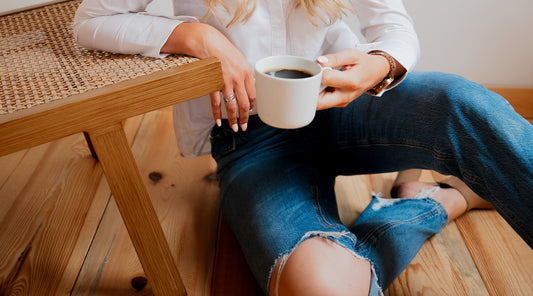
389 79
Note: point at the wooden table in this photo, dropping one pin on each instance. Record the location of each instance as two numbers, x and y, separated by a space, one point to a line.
51 88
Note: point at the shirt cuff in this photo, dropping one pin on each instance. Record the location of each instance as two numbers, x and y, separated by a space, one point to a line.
407 58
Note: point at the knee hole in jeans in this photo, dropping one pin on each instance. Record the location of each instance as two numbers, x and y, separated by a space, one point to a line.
319 266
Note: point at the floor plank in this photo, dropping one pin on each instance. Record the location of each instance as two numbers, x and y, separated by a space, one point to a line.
43 222
48 215
185 197
503 259
57 215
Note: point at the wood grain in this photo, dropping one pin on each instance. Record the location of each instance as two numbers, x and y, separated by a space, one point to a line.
503 259
95 112
134 203
46 200
185 197
93 218
97 109
520 97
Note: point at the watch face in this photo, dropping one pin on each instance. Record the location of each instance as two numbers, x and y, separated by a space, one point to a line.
380 87
387 82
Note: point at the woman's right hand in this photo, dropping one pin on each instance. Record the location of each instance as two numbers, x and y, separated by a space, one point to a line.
202 41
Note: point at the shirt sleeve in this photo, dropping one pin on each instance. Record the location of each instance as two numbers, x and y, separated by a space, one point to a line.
123 26
387 27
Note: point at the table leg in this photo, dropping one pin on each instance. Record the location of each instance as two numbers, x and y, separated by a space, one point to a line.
137 211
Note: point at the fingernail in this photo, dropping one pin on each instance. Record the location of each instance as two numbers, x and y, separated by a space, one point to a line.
235 127
322 59
219 122
244 126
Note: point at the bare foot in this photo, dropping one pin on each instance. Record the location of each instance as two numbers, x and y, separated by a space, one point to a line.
473 200
451 199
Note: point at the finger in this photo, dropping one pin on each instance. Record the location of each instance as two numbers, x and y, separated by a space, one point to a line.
328 100
250 89
215 107
336 98
345 57
231 109
244 107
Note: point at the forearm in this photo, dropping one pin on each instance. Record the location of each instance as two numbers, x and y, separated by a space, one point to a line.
121 27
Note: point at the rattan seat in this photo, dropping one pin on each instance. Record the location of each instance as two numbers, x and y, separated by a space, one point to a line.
41 63
52 88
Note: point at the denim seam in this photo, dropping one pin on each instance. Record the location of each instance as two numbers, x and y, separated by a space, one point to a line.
318 208
438 155
316 202
471 178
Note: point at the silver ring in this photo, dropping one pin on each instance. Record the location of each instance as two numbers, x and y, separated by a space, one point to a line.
230 98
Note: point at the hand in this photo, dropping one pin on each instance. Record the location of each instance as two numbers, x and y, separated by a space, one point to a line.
202 41
360 72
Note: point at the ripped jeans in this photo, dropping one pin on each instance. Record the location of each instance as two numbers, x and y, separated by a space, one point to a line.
277 186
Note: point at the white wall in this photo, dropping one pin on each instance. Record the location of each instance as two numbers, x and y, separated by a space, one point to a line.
487 41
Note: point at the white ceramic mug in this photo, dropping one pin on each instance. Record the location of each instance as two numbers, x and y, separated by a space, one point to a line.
287 102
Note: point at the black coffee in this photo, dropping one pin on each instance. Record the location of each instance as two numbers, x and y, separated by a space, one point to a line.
289 73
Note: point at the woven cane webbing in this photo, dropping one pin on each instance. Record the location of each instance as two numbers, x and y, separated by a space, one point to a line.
40 61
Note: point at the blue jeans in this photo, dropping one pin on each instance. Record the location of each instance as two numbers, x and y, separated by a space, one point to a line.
277 186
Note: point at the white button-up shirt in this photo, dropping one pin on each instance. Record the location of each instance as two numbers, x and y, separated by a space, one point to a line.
275 28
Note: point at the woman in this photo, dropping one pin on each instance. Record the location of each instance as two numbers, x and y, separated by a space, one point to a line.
276 185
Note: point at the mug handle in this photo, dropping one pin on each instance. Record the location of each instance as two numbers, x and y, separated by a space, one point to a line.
322 86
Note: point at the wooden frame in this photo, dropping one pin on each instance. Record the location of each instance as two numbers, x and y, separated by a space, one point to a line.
100 113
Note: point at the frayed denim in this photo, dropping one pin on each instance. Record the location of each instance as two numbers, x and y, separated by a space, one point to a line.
277 186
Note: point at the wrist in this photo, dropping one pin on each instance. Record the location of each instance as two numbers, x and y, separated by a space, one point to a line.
390 75
383 67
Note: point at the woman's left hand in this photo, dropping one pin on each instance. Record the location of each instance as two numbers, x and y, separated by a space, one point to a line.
360 72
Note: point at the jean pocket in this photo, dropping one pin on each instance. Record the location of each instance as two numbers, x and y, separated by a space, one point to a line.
222 142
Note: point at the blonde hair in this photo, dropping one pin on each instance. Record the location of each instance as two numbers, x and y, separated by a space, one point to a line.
334 10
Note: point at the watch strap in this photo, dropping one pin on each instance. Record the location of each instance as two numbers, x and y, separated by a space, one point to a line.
389 79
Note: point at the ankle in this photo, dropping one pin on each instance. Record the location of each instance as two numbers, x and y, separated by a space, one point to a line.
453 202
473 200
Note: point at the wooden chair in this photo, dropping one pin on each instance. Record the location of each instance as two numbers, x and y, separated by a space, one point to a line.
52 88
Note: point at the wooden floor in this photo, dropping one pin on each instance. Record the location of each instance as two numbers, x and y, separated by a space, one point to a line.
61 233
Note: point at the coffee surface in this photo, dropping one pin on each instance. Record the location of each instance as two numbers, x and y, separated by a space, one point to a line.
289 73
